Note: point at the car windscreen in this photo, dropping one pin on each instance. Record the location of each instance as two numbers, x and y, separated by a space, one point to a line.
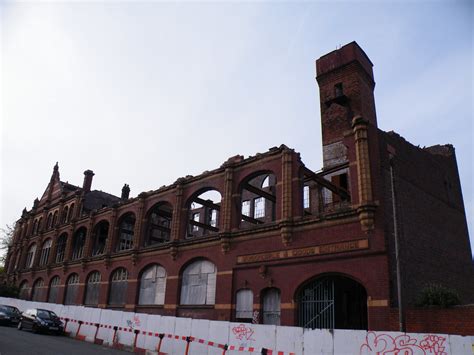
8 309
46 314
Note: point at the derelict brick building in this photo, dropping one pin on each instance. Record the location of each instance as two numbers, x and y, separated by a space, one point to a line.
263 238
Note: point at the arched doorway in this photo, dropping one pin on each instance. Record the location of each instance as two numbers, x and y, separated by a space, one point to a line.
332 302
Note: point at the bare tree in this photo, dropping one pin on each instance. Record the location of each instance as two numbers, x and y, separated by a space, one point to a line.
6 240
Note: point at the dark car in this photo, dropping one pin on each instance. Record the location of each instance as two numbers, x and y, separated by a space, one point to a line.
41 320
9 315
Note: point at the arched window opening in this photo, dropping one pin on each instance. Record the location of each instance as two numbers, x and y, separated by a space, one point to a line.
118 287
45 252
30 256
40 225
204 211
126 231
159 224
24 291
35 226
70 216
72 287
199 283
49 223
78 243
37 291
101 233
61 248
53 296
271 306
92 289
244 305
332 302
152 286
55 219
258 200
64 215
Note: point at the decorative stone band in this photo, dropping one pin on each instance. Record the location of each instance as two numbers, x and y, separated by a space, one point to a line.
377 303
332 248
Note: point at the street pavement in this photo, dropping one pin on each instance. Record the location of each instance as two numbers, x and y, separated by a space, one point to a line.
16 342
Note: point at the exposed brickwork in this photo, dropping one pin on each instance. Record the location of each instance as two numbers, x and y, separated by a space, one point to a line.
456 320
347 231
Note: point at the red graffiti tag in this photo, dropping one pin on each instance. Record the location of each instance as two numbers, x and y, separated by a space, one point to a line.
243 332
384 344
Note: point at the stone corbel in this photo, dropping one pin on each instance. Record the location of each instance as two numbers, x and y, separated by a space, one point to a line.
225 243
107 261
286 233
134 257
367 217
65 267
173 252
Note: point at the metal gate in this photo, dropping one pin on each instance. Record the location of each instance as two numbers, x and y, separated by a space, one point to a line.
316 305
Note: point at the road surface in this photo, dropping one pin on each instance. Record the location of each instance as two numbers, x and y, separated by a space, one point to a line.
16 342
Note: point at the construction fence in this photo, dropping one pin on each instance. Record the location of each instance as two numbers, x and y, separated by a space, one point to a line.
146 333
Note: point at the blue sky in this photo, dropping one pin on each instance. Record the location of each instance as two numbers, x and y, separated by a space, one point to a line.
134 91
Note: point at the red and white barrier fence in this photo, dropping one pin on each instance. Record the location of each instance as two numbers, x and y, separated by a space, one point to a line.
177 336
161 336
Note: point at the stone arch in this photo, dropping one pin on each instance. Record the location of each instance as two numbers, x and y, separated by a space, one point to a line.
332 301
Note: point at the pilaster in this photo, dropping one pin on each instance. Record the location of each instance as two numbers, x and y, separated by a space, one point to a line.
366 206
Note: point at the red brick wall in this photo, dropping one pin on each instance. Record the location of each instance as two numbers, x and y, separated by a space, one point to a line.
456 320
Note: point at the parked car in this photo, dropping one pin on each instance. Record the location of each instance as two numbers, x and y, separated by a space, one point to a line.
9 315
41 320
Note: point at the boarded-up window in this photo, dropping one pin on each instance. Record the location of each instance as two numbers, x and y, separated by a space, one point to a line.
118 287
153 285
92 289
125 240
244 304
24 291
45 252
30 256
38 290
199 283
72 287
271 306
78 243
61 247
54 290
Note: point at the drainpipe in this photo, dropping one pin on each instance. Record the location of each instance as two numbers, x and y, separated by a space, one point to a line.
401 313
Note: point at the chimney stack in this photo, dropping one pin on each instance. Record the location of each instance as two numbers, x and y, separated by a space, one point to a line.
88 175
346 90
125 192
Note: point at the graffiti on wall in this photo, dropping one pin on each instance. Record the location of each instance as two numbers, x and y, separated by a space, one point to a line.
243 332
134 322
384 344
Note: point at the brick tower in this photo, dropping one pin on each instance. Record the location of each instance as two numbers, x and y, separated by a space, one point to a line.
346 87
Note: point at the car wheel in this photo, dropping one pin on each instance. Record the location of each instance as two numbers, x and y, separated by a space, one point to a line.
34 328
20 326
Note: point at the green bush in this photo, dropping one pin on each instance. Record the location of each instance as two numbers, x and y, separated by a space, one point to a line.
7 290
437 295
